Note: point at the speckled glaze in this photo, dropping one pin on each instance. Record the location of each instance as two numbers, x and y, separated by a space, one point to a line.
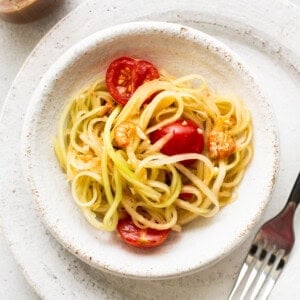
262 35
180 50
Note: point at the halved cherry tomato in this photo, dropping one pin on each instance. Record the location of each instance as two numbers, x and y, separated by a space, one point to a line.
125 74
187 138
144 72
141 238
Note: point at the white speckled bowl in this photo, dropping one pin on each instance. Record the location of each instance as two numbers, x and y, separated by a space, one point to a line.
180 50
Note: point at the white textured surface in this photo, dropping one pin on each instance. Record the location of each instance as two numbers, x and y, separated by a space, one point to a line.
16 42
285 91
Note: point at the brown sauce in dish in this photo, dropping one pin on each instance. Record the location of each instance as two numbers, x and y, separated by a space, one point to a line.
24 11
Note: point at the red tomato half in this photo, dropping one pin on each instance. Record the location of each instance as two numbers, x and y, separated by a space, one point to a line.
125 74
187 138
141 238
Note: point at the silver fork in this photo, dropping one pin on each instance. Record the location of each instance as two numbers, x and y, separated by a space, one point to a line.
268 254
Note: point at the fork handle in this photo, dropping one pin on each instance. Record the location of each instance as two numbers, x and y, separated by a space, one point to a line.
295 193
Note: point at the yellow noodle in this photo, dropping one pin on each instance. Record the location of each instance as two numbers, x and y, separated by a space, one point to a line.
107 179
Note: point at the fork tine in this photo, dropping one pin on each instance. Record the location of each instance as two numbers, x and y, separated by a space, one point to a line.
237 284
261 259
271 275
258 274
260 277
250 279
269 263
246 274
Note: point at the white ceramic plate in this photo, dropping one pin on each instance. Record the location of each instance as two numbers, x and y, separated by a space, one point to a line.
270 51
201 243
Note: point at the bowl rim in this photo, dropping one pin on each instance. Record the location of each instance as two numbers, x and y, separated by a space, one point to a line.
64 60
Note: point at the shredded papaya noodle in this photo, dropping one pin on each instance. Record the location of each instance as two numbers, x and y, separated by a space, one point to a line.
114 169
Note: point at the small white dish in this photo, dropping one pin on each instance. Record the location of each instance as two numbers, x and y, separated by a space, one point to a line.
180 50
